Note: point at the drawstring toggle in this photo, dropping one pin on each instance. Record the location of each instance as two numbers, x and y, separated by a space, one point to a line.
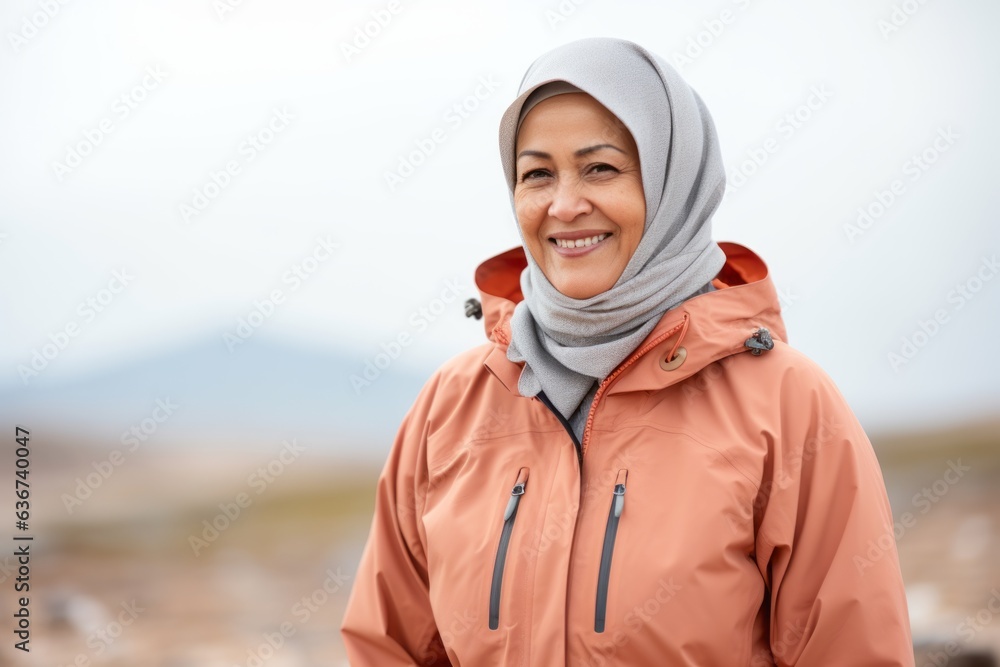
759 342
474 309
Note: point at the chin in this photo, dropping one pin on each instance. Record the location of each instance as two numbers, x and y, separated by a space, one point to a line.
578 289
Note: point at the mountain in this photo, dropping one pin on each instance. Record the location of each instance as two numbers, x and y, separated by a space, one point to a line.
199 393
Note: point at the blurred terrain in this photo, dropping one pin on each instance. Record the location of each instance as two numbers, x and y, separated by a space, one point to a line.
133 575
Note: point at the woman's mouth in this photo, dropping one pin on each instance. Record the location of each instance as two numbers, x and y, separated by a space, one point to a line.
580 246
580 243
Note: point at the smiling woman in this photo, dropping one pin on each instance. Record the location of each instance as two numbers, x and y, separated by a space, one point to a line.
636 469
574 160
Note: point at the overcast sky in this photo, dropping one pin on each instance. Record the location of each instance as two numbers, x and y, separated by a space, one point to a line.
177 162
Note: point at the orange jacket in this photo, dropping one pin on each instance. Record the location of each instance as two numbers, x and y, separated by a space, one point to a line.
723 508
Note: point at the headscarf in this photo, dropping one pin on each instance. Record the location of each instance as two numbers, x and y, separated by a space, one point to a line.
570 344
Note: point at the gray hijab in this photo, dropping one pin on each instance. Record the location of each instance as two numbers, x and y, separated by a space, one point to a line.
568 345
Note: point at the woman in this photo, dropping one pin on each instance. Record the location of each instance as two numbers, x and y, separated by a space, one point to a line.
636 469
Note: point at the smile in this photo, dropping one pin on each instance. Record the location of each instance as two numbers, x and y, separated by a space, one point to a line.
580 243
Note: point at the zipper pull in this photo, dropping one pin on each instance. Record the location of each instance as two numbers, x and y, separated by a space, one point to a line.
619 500
515 497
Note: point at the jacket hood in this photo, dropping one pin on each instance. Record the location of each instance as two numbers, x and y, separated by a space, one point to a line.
708 327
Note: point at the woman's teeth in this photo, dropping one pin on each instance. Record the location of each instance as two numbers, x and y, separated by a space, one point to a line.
580 243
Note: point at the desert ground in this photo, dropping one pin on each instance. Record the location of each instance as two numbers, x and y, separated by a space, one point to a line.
132 576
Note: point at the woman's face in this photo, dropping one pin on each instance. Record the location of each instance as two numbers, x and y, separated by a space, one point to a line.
578 194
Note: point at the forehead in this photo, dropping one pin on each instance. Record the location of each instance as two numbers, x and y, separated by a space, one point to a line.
569 114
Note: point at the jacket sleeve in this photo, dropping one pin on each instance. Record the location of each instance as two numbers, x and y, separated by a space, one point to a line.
825 543
388 621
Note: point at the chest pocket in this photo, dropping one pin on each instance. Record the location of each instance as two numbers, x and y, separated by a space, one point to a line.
608 549
500 562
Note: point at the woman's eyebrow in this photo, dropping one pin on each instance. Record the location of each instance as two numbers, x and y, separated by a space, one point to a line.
591 149
579 153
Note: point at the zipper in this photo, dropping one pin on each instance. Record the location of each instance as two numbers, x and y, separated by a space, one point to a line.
601 388
610 532
565 422
508 527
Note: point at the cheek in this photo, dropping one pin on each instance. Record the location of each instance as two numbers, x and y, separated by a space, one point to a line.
631 215
638 221
526 207
635 217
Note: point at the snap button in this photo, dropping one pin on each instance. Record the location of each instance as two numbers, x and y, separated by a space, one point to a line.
673 364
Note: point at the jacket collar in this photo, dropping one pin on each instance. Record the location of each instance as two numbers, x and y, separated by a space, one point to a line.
710 326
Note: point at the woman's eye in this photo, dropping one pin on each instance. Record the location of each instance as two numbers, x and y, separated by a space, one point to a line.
533 174
603 167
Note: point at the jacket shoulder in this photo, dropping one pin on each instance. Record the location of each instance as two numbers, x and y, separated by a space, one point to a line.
789 397
808 413
801 373
466 364
460 388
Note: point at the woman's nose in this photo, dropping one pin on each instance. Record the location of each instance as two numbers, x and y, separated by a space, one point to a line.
569 201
